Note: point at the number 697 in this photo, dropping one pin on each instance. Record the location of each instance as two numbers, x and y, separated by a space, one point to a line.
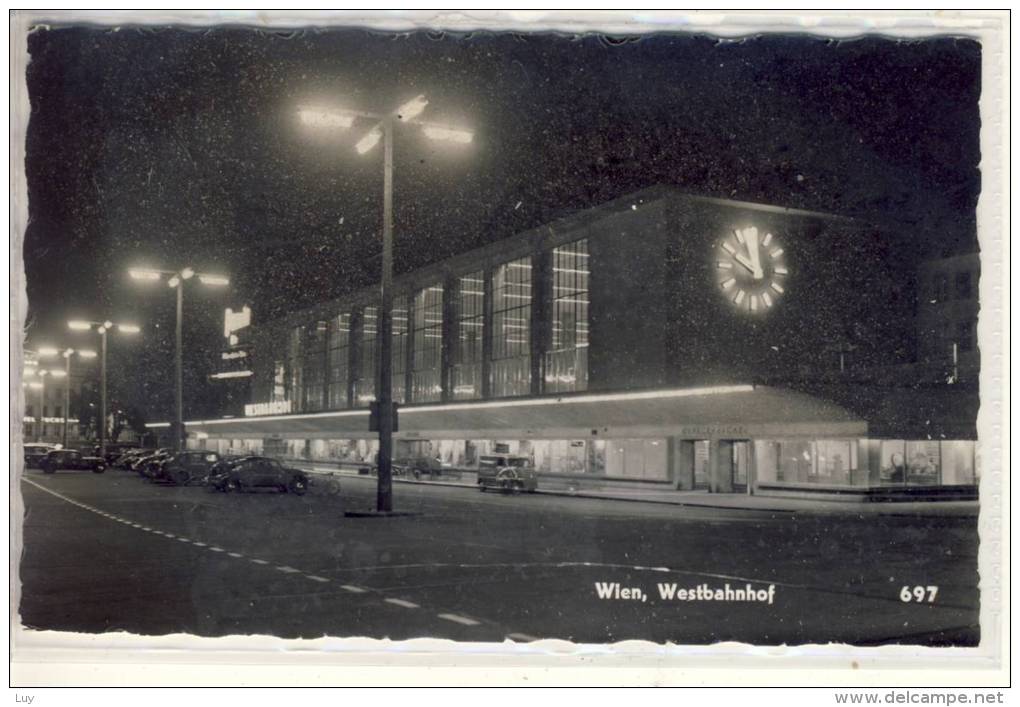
919 594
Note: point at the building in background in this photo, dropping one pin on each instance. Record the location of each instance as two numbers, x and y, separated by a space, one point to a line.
661 338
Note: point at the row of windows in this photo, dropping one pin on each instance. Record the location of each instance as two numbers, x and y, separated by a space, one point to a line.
962 284
332 363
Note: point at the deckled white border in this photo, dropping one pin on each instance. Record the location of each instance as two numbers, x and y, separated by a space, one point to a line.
62 658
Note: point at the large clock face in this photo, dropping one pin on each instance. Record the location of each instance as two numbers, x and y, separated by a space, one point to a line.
751 269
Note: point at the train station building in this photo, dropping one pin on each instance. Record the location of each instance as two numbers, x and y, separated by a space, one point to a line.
662 338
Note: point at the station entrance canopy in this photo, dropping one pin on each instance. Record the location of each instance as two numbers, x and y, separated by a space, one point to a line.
733 411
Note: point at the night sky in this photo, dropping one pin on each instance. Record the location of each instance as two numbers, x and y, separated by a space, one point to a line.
174 147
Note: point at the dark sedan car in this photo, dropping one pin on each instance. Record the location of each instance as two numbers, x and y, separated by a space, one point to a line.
257 472
71 459
35 453
183 468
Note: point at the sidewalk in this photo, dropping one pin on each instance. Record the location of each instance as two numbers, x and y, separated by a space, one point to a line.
659 495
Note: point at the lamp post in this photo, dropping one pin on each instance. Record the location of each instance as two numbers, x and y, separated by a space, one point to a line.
102 328
383 130
175 280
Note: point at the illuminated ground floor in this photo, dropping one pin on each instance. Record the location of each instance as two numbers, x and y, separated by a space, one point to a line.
724 439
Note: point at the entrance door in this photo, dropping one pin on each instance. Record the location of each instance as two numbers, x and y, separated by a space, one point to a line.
732 466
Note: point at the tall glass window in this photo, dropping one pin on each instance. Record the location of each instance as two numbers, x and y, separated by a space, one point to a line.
399 350
339 355
511 328
364 384
426 372
466 376
279 381
566 364
313 377
294 372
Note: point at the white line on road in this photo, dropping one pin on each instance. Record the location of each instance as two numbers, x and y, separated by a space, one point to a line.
521 637
235 554
317 578
288 570
215 549
455 618
260 562
401 602
352 589
197 544
183 540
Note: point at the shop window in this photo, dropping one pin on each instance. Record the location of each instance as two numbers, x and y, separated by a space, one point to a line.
511 328
566 364
636 458
426 371
963 285
368 341
398 354
835 459
466 373
339 356
924 463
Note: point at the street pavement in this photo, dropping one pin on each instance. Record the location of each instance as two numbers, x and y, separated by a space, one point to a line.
113 552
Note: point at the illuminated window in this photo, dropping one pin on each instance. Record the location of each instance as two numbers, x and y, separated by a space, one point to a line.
339 352
367 335
426 372
279 381
566 364
511 328
399 350
466 376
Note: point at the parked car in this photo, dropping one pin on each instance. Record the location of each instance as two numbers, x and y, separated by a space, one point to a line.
71 459
258 472
34 453
182 468
418 467
507 473
148 465
128 459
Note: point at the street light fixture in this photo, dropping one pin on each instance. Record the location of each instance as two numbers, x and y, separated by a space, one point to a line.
175 280
383 131
100 328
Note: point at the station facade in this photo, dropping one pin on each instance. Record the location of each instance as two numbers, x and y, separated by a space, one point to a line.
661 338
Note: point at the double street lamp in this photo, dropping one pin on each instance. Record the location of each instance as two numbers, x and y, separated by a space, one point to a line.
175 279
100 328
329 118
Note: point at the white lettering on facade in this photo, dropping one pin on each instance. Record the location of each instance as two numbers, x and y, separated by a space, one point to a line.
277 407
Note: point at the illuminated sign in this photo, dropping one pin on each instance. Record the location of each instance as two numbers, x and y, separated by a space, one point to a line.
231 355
277 407
232 321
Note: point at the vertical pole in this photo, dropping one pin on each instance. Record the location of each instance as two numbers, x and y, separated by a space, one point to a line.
178 371
102 393
42 402
384 492
956 362
67 394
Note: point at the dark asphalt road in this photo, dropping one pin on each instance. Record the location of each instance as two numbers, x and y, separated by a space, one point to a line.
112 552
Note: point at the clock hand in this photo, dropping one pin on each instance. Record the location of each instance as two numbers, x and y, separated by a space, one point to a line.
752 250
746 263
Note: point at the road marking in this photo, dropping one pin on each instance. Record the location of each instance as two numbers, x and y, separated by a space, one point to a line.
288 570
352 589
235 554
148 530
170 535
215 549
521 637
316 577
183 540
459 619
401 602
260 562
197 544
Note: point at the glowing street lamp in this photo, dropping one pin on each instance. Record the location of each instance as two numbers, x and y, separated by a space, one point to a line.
175 280
383 131
100 328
